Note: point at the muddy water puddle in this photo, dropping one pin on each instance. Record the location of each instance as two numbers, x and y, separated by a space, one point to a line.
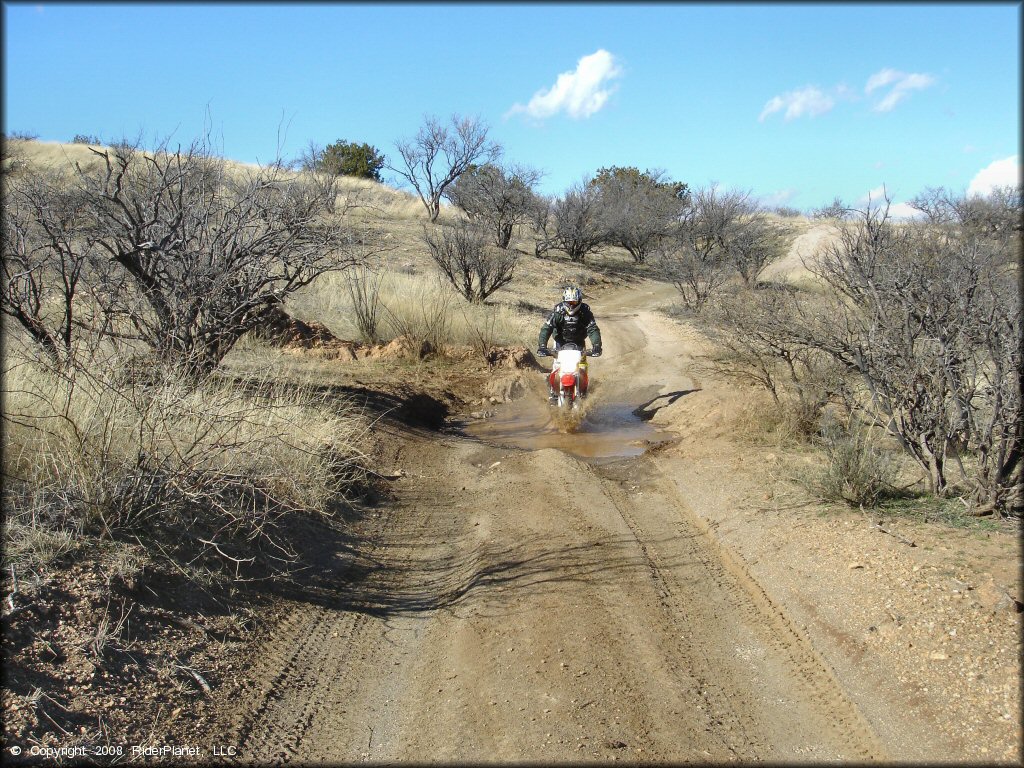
606 427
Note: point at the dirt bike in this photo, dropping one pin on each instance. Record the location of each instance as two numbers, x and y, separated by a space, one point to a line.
569 377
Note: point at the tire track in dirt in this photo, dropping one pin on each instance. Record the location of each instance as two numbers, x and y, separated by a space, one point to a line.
313 667
785 662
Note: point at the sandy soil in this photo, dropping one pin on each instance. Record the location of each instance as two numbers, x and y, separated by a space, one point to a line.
521 603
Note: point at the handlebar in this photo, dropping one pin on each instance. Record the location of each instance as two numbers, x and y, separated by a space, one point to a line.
545 352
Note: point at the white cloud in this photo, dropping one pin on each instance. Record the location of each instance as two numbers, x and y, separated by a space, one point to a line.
881 79
809 101
901 84
579 94
903 211
876 199
875 196
779 197
1001 173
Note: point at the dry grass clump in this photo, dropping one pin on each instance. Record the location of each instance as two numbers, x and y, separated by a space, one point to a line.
380 306
199 467
859 470
789 422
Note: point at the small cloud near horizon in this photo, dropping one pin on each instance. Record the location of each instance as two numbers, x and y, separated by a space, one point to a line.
900 84
890 87
1001 173
779 197
898 211
579 94
810 101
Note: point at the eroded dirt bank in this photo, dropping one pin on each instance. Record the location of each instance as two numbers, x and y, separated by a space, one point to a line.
525 604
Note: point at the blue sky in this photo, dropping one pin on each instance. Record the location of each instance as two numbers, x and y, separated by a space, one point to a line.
797 103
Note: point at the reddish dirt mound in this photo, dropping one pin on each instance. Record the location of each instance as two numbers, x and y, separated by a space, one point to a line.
403 346
284 330
512 357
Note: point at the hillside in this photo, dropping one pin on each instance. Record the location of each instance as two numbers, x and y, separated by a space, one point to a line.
654 585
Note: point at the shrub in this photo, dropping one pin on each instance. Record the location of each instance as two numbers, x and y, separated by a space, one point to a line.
171 249
500 197
837 209
364 292
469 263
345 158
858 472
198 472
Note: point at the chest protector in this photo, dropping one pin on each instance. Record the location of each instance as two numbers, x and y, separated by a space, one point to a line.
571 328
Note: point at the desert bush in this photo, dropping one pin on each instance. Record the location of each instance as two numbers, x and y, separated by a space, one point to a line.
424 309
190 470
995 217
837 209
474 268
858 472
575 221
931 325
488 326
364 287
500 197
170 250
926 322
344 158
786 211
638 209
755 342
720 233
14 160
918 334
86 138
421 312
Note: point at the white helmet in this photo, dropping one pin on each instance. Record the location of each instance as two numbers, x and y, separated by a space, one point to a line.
571 297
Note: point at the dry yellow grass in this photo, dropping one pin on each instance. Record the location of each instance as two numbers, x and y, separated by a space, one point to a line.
87 453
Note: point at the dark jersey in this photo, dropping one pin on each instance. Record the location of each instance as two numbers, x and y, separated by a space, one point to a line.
573 329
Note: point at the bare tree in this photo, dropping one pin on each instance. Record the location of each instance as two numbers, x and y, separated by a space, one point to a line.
542 222
438 154
463 255
697 273
755 243
501 196
696 257
837 209
996 217
718 232
577 225
45 258
639 209
755 343
931 325
184 255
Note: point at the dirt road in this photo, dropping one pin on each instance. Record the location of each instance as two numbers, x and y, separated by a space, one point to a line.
526 605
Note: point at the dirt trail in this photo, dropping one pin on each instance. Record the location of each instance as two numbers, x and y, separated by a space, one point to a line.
527 605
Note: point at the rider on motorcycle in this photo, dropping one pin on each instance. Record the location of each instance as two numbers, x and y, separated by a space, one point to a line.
572 322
